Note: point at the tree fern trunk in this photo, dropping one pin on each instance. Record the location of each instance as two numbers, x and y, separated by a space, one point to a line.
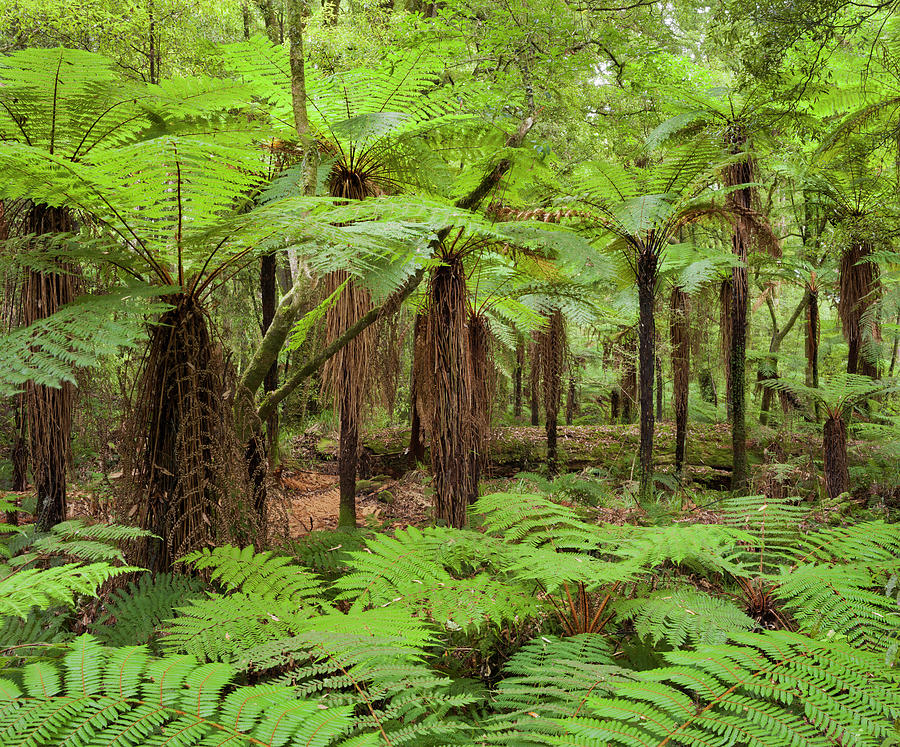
49 408
534 382
570 400
553 345
681 356
348 458
859 283
449 392
646 355
812 342
659 390
834 445
482 398
740 201
416 375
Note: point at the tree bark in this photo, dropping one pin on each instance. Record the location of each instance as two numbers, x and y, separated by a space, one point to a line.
553 345
741 202
49 408
646 274
534 382
681 357
417 434
778 335
517 379
834 445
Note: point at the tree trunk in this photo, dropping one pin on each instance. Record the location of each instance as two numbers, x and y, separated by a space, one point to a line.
269 293
348 458
417 376
725 325
49 408
482 398
450 391
570 401
517 379
812 343
834 444
858 283
614 397
646 355
895 348
741 203
659 390
681 357
553 347
346 377
534 382
20 447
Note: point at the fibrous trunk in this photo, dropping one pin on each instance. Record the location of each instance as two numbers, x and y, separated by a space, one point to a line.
858 285
180 456
834 444
740 202
49 408
553 348
345 376
646 277
448 402
681 356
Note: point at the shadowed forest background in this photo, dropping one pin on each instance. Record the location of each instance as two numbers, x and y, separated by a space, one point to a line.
452 373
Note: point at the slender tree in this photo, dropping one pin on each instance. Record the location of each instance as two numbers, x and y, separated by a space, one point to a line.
681 358
553 354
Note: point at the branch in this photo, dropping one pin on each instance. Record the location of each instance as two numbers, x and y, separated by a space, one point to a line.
779 336
267 352
490 180
390 306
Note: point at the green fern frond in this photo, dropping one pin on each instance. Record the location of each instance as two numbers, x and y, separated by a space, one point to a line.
134 614
123 696
263 575
21 590
772 689
846 600
550 678
683 616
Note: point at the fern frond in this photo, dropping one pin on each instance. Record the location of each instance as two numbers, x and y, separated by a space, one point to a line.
771 689
134 614
23 590
122 696
263 575
683 616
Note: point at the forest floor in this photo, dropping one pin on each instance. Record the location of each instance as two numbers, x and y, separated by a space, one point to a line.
393 492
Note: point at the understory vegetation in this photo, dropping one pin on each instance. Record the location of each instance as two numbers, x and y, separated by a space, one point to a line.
449 373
